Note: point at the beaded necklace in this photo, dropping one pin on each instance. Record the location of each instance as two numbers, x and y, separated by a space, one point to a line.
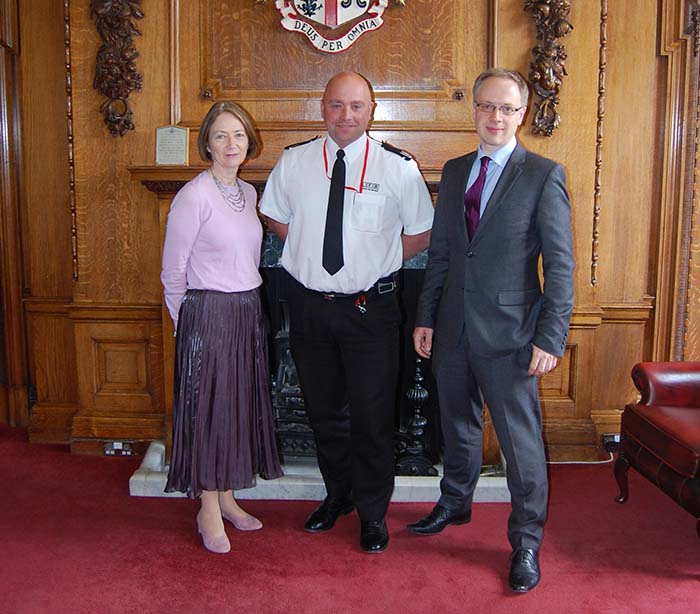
235 200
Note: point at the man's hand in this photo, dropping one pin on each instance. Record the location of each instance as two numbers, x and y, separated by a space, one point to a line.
541 363
423 341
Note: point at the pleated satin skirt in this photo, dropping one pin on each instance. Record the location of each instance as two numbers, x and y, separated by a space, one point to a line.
223 427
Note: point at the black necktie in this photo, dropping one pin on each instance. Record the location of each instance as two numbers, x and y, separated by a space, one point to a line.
333 237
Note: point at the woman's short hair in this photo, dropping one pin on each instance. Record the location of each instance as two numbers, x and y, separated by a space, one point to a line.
228 106
503 73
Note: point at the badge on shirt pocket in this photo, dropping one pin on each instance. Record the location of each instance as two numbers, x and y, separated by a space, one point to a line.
367 212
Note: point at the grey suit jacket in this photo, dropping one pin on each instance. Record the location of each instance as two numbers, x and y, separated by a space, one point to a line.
489 288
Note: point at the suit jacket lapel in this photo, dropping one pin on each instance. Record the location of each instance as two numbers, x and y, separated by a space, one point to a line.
468 162
505 183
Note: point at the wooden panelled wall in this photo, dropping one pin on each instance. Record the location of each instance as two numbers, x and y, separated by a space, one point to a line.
89 296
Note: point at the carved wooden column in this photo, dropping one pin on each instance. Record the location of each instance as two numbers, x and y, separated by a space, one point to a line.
14 401
677 316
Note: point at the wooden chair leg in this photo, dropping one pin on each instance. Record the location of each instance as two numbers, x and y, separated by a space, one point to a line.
621 468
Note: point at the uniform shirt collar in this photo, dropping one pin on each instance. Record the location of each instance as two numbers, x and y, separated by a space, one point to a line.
352 151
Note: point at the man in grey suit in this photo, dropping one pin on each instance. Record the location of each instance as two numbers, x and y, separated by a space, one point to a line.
496 329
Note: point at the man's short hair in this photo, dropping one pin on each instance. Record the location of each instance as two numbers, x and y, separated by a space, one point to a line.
503 73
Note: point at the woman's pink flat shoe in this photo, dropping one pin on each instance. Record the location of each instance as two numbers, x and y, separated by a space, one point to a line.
249 523
218 544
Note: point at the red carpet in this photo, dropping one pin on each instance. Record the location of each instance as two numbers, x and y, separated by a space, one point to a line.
73 541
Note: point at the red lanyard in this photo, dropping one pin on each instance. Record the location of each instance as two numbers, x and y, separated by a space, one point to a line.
364 166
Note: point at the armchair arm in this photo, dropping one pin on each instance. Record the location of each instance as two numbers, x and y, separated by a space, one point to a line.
668 383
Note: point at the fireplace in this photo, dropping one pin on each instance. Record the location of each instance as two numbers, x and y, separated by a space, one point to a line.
294 435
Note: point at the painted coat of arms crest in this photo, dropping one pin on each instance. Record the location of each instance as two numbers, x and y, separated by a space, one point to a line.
318 19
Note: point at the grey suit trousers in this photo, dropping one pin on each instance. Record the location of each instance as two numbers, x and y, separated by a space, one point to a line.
465 380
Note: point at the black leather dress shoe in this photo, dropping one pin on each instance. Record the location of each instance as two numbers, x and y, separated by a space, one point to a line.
325 515
439 518
374 536
524 570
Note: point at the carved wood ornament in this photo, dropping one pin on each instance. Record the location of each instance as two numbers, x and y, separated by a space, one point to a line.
115 71
71 150
602 66
547 70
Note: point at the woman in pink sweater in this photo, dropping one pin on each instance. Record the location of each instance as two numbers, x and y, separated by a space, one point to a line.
223 430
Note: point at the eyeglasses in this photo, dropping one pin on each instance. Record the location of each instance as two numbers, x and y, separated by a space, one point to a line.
504 109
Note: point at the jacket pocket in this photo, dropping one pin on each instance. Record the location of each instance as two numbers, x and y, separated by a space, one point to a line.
518 297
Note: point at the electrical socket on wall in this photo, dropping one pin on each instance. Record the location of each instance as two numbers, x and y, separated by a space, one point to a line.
611 442
118 448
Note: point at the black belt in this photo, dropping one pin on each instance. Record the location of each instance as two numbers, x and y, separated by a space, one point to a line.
385 285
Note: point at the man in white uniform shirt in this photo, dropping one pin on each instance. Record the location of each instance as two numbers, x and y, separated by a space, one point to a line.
350 210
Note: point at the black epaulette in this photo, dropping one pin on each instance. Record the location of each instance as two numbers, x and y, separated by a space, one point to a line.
302 143
399 152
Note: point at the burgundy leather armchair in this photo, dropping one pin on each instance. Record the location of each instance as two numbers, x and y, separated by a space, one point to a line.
660 435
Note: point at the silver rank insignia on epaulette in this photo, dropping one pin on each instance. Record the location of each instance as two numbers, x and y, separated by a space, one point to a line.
399 152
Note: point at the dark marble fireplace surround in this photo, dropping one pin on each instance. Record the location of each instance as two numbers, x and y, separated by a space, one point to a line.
294 435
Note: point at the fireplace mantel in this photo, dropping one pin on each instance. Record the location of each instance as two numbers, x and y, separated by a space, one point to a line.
165 181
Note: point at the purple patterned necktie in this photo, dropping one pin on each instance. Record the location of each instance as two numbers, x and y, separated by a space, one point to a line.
472 199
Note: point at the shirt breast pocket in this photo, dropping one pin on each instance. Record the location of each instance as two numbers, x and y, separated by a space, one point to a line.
367 212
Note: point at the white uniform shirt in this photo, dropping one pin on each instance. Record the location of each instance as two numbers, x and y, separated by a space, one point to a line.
385 195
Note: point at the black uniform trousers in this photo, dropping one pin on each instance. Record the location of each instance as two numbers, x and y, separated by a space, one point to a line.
347 361
465 380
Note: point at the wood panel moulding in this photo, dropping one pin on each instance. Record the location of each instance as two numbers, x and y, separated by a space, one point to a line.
120 371
620 343
558 386
52 365
8 23
570 438
566 395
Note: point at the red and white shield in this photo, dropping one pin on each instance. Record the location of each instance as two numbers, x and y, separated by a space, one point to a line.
331 13
359 17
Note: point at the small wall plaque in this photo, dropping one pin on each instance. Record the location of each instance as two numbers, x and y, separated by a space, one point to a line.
172 145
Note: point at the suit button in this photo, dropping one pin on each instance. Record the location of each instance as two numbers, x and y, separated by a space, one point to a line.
470 253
